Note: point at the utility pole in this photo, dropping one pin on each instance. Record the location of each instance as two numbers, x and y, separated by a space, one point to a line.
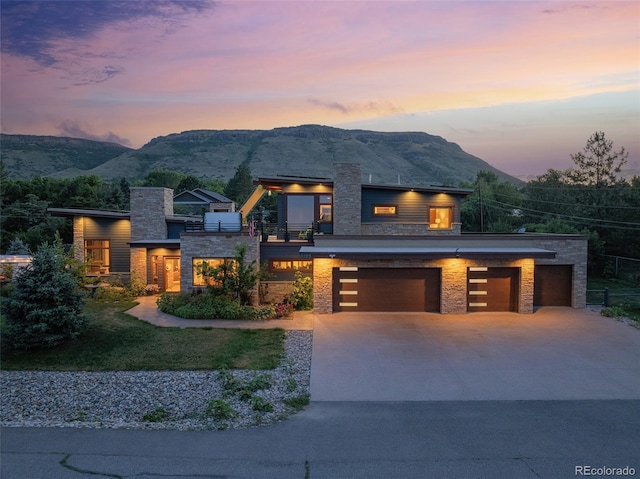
481 207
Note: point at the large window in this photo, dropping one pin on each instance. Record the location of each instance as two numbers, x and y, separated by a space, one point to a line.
440 217
200 263
300 211
96 253
291 265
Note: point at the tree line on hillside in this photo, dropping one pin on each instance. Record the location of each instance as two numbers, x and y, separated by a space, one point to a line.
25 223
590 198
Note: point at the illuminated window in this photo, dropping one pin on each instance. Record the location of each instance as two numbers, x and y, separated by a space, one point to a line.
96 253
202 264
440 217
385 210
291 265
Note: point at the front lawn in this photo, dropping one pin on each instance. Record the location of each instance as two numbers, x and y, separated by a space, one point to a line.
115 341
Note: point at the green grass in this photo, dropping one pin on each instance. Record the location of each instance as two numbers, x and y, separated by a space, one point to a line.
115 341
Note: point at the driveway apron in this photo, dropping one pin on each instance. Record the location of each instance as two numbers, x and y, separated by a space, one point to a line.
554 354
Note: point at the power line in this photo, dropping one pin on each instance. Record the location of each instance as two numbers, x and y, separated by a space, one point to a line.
578 219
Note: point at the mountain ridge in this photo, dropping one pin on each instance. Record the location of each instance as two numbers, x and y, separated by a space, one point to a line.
307 150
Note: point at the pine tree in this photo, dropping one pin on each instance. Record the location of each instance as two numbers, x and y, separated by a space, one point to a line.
46 306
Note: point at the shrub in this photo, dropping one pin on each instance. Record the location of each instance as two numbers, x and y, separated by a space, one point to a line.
261 405
204 306
220 409
614 312
136 287
297 402
151 289
46 306
302 294
157 415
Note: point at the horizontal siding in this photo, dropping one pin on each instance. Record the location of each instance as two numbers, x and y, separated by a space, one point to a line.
269 251
412 206
118 232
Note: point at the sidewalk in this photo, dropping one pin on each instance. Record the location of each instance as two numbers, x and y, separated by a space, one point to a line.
148 311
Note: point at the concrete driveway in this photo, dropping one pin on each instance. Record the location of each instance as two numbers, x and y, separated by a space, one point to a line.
556 353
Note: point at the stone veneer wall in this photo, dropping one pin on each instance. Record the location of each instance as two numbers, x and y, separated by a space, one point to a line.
571 251
213 245
275 291
347 199
139 264
150 207
78 238
404 229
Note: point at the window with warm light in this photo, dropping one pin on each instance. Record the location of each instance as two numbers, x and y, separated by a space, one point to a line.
291 265
96 252
199 264
385 210
440 217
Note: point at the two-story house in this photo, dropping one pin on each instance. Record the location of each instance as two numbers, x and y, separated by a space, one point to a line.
368 248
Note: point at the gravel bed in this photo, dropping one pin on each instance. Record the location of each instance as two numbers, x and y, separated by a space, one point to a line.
155 399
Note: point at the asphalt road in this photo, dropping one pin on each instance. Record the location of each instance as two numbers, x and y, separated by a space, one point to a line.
452 439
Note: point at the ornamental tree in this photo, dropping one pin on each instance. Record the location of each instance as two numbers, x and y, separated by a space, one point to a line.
45 308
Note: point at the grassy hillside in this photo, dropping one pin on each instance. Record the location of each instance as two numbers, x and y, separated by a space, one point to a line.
309 150
28 156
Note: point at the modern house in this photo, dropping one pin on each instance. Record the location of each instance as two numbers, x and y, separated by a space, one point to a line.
368 248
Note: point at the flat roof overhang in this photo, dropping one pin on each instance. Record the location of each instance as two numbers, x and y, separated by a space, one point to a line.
156 243
424 253
71 212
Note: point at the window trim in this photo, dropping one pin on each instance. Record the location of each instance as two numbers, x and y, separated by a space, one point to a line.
376 214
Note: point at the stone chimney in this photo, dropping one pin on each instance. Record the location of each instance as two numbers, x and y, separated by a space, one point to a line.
347 199
150 207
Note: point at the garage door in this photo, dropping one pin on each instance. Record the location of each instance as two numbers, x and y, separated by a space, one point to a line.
492 289
386 289
552 285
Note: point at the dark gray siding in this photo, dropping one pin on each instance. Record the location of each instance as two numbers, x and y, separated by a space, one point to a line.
174 230
269 251
118 232
412 206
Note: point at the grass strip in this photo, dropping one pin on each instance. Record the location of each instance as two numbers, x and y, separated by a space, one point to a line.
115 341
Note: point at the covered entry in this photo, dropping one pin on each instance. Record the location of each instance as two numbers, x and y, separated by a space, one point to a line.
386 289
492 289
552 285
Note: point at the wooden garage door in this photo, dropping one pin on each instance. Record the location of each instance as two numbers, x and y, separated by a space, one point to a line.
492 289
552 285
386 289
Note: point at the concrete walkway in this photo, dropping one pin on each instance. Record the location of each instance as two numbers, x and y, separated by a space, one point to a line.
148 311
556 353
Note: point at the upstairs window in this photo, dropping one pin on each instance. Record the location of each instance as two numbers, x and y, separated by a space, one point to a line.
385 210
440 217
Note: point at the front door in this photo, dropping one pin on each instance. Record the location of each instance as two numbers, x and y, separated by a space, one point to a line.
172 274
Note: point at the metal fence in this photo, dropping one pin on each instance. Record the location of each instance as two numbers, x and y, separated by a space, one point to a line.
614 297
627 269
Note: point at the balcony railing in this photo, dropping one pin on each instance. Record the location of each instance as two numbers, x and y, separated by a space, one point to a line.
268 231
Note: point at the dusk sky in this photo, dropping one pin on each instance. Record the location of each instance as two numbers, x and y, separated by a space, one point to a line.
521 85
